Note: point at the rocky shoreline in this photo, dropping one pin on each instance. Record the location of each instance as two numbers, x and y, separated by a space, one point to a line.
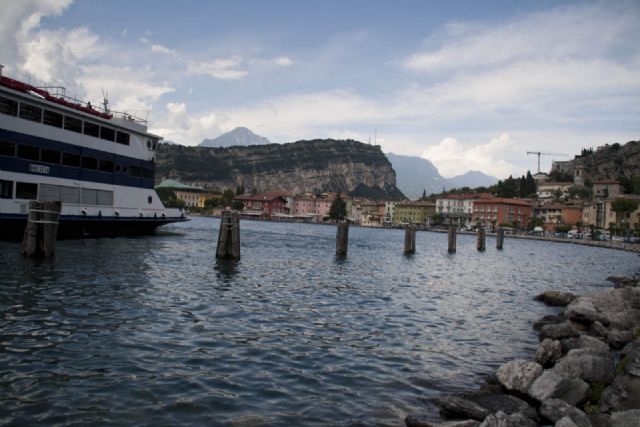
585 372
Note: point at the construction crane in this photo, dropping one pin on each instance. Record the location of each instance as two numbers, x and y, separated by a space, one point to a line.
540 153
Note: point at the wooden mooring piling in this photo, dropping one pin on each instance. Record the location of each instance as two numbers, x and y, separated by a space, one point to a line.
499 238
410 240
342 239
229 236
482 237
41 231
452 239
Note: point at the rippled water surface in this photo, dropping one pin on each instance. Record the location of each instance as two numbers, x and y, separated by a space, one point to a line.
154 331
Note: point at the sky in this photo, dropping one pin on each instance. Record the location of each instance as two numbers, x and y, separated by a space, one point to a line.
466 85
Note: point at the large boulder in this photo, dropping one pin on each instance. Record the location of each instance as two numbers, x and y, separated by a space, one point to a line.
500 419
550 385
556 298
417 421
583 342
618 339
505 403
614 308
558 331
588 365
624 393
548 352
460 408
630 418
518 375
549 319
555 409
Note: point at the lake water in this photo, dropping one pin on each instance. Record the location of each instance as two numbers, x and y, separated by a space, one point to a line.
153 331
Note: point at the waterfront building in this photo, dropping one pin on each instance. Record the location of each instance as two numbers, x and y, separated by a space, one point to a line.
389 211
192 196
418 212
600 214
372 214
304 207
458 208
263 206
501 211
554 214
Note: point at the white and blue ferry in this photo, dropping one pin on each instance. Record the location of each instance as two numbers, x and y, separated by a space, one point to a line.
98 163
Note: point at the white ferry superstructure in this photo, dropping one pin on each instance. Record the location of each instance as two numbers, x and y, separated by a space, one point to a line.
99 164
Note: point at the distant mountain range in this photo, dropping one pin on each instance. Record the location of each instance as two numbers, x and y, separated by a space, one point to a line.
240 136
415 175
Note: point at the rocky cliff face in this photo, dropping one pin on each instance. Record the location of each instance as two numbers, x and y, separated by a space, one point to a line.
609 161
304 166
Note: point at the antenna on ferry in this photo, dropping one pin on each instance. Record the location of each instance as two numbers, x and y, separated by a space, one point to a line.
1 67
105 101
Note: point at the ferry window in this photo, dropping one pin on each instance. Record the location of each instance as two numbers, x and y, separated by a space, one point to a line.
89 163
69 194
104 197
147 173
106 166
26 190
7 148
6 189
91 129
73 124
49 193
52 118
72 160
28 152
135 171
89 197
30 112
107 134
8 106
122 138
50 156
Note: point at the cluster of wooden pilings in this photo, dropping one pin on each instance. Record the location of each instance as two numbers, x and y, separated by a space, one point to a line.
229 238
41 232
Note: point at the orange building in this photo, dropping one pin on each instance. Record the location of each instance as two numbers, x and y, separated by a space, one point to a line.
555 214
493 212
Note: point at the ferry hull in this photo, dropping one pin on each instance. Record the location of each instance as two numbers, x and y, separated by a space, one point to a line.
12 226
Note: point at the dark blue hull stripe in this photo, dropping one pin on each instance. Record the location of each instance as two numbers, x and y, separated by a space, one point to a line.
14 164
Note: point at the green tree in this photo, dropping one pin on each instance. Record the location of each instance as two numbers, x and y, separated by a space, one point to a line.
535 222
169 198
623 206
227 197
240 189
338 209
530 185
237 205
580 192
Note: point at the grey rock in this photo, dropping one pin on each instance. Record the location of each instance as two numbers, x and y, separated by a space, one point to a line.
598 329
555 409
458 407
518 375
622 395
556 298
417 421
548 320
505 403
631 347
500 419
565 422
618 339
587 365
599 420
548 352
558 331
630 418
550 385
614 308
584 342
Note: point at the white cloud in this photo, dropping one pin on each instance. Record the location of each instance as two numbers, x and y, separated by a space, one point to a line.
283 61
157 48
453 158
178 125
219 68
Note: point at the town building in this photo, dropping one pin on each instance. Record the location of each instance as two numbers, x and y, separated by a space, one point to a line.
263 206
192 197
554 214
601 215
607 188
418 212
551 191
458 208
501 211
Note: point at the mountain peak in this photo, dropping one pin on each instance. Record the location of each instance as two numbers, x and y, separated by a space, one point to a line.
239 136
